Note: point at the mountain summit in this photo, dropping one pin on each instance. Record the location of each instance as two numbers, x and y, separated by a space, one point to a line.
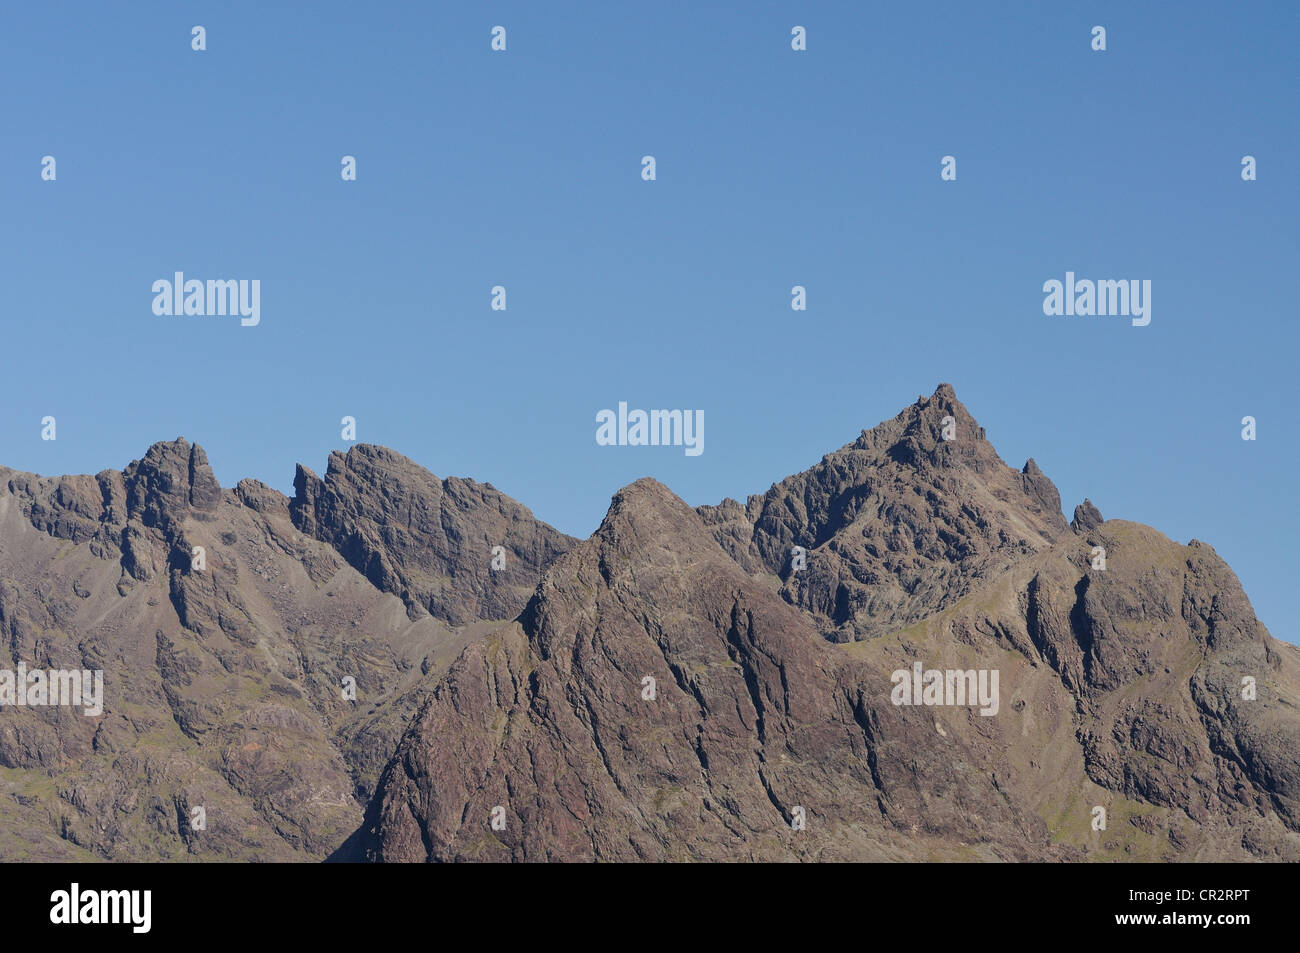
902 653
897 525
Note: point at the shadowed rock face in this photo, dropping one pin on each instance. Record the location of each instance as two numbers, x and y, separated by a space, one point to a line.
1086 517
114 511
898 524
1146 689
427 541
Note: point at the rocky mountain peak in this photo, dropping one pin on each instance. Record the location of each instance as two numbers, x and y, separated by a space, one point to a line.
642 505
173 478
894 525
1086 517
927 430
433 543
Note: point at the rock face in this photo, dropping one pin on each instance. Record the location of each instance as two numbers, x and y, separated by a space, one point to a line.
754 720
427 541
344 675
1086 517
1119 689
898 524
268 687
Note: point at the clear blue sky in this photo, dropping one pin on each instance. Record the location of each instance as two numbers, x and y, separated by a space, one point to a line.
775 168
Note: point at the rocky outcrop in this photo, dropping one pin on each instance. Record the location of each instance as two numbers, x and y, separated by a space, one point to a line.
897 525
1086 517
430 542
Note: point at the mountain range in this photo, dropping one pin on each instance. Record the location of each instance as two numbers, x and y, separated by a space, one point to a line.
389 666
